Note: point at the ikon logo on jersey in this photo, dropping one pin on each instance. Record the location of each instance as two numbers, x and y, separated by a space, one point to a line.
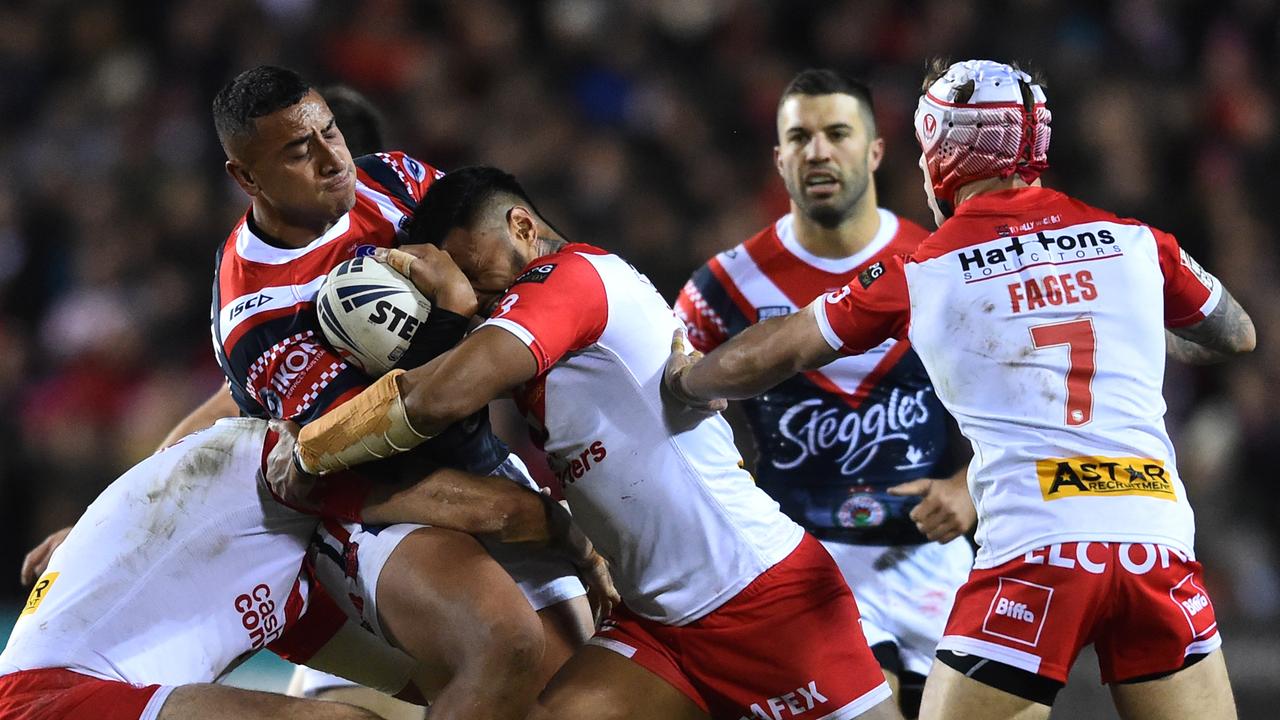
39 593
1102 477
1018 611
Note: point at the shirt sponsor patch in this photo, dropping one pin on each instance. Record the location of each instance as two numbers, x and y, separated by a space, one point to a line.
537 274
871 274
772 311
1102 477
39 593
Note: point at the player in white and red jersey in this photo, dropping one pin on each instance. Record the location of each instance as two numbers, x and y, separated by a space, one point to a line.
312 208
847 449
166 581
186 566
711 572
1042 321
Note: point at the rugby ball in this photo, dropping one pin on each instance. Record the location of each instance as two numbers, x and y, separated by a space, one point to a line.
369 312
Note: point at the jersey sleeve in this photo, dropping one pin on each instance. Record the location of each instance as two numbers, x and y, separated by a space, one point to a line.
397 171
866 312
696 309
1190 291
557 306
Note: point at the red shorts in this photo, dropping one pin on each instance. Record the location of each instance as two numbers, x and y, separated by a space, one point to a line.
1142 606
58 694
788 643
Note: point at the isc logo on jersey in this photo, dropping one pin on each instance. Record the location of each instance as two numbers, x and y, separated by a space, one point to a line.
1103 477
369 312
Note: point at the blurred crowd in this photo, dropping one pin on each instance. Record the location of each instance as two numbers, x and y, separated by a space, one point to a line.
644 126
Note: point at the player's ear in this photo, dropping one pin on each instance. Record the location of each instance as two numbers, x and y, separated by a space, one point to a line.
243 177
521 224
777 159
875 154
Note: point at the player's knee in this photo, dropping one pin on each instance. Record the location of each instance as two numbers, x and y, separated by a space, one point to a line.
514 645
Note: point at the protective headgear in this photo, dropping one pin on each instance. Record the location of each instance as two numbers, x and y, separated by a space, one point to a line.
1002 128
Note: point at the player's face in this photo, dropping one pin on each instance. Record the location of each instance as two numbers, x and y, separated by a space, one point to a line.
928 193
826 155
298 163
488 257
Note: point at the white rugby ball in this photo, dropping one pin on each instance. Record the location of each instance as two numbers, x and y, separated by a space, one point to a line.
369 312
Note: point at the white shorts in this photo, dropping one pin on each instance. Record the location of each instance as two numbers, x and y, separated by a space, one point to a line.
905 593
350 558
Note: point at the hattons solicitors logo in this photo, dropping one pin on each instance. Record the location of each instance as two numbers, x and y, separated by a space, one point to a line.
855 435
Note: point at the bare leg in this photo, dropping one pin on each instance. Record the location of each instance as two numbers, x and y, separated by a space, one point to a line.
445 601
566 627
219 702
949 695
1202 691
381 704
599 684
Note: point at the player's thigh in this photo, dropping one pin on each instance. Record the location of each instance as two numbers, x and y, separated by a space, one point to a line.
219 702
443 599
599 684
949 695
1202 691
566 626
381 704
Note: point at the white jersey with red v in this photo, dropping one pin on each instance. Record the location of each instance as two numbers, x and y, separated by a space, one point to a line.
664 499
265 332
1041 321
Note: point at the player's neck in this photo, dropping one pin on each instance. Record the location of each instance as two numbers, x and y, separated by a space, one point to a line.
991 185
846 239
275 230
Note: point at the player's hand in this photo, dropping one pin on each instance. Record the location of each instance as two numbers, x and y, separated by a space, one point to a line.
37 561
603 596
947 510
432 271
678 363
286 480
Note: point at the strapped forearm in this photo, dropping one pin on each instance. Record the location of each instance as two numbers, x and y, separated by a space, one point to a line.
370 426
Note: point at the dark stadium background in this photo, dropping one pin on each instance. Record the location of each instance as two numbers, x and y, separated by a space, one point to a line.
644 127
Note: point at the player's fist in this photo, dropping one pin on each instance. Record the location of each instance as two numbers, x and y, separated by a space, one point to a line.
435 274
947 510
679 363
37 561
285 478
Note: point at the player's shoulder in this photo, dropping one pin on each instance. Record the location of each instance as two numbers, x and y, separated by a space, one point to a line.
396 171
573 262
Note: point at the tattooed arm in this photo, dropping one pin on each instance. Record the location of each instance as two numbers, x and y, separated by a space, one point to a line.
1225 332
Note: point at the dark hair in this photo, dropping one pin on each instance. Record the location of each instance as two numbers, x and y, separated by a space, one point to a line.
457 199
825 81
358 119
252 94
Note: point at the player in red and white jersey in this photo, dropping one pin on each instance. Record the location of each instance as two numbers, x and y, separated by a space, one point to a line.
860 452
1043 323
313 207
711 572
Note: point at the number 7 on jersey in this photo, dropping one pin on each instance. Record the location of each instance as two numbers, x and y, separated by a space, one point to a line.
1080 340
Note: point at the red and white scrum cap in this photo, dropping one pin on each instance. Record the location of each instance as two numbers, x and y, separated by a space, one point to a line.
995 132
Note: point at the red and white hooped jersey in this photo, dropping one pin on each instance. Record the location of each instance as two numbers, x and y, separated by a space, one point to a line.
179 570
265 332
663 497
1041 321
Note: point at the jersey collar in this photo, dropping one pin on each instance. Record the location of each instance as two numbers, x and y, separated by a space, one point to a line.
254 248
785 228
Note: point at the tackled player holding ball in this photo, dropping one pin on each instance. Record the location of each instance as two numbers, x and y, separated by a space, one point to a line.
731 609
1042 322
